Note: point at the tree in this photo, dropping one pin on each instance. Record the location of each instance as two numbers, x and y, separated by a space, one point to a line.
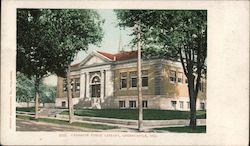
48 93
25 90
57 36
73 30
179 35
32 58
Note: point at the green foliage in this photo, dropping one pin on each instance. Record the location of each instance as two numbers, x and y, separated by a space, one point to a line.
49 39
25 90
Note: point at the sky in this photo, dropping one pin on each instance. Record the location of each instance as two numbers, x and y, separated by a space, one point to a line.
112 35
109 44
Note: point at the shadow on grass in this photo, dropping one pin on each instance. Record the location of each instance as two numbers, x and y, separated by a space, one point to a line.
132 114
184 129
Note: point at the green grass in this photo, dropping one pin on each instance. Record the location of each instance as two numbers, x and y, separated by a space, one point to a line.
185 129
63 122
25 109
148 114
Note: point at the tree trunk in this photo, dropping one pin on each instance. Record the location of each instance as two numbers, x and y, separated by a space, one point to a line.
192 123
69 95
28 104
192 97
37 105
37 83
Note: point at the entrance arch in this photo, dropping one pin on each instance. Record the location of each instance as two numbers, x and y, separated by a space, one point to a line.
96 87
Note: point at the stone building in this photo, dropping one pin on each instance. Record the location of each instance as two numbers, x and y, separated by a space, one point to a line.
104 80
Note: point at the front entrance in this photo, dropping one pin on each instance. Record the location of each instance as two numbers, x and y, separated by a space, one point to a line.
96 92
95 87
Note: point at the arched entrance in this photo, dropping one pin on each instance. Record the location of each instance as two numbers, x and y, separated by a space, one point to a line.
96 87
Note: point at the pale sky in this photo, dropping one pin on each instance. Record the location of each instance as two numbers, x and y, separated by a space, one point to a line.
111 37
110 42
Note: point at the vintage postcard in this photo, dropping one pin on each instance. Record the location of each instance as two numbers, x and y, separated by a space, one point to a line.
125 73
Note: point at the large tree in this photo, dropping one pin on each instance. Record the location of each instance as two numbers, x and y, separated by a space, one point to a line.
178 35
49 39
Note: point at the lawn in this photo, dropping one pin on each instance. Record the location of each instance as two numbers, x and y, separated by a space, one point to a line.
132 114
25 109
63 122
184 129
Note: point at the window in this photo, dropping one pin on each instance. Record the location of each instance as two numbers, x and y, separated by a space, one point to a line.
179 77
133 79
63 103
122 104
71 84
65 84
172 76
181 104
144 103
202 106
144 78
186 81
77 84
123 80
173 103
188 105
132 104
201 86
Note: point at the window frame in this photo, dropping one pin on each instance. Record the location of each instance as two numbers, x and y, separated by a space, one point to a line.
123 78
181 104
132 104
145 75
144 102
173 104
77 82
122 104
133 76
172 77
180 77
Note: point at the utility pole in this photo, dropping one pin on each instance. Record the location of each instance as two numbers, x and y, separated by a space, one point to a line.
139 83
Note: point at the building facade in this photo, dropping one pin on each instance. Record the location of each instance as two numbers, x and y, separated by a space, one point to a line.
104 80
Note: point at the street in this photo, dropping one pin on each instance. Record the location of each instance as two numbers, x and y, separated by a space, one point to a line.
27 125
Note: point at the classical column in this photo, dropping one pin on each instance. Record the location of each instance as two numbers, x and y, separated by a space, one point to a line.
109 84
87 85
102 85
82 85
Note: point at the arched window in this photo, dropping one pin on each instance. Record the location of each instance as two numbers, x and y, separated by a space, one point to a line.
96 80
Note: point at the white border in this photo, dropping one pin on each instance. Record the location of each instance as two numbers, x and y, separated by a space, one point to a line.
228 76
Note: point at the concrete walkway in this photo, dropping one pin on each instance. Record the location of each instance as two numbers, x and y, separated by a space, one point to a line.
124 123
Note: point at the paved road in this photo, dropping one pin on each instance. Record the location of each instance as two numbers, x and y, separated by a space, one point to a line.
27 125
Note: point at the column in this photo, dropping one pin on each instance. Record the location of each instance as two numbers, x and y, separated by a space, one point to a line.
82 85
102 85
87 85
109 83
